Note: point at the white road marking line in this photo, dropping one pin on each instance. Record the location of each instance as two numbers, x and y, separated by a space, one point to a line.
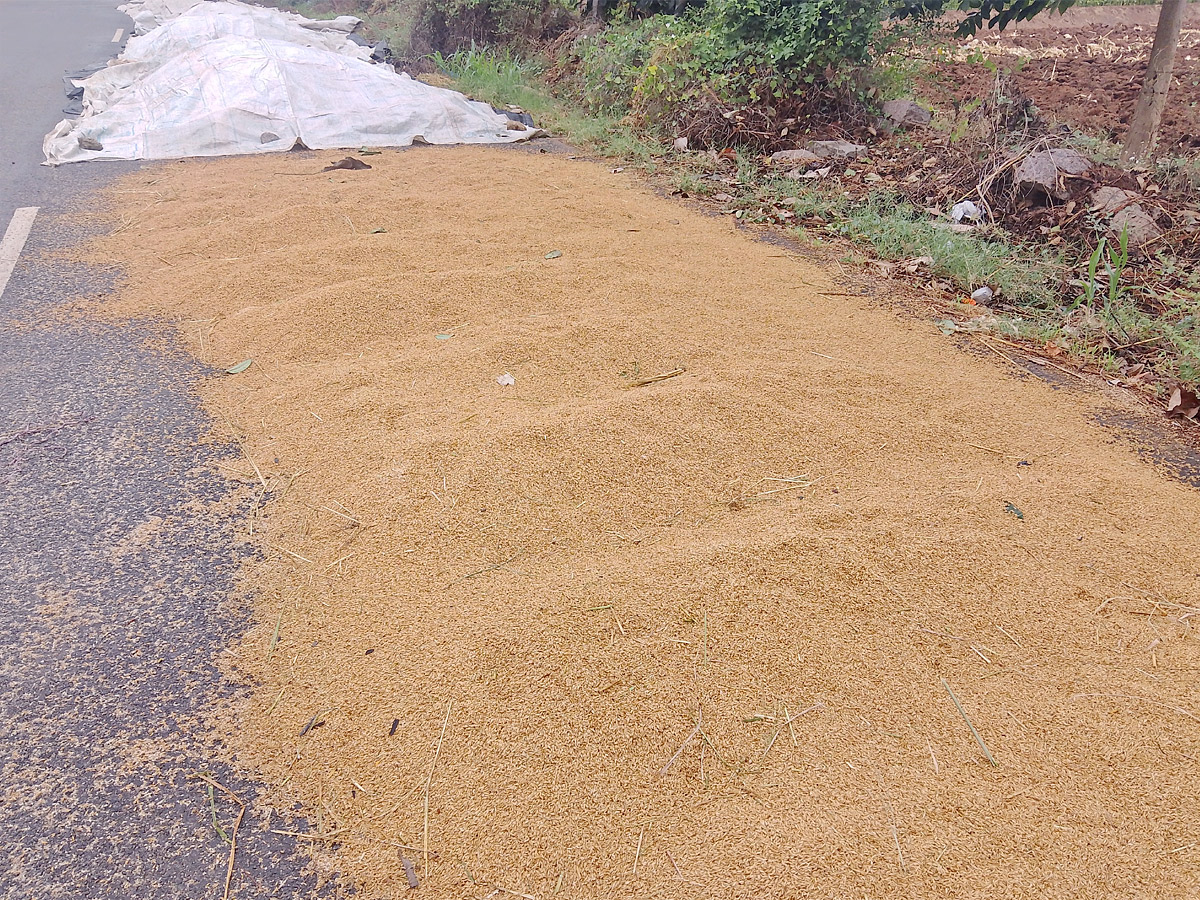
120 33
14 242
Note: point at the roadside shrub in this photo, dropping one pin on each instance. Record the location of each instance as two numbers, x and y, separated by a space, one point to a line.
450 25
796 41
413 28
729 51
644 67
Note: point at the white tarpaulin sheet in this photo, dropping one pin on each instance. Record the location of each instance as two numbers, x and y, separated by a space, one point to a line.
224 79
202 24
149 14
206 22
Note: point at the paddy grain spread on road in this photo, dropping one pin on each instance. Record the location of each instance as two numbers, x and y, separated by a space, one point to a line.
600 635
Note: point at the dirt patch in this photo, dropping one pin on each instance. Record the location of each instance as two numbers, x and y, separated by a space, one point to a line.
683 638
1084 71
1141 15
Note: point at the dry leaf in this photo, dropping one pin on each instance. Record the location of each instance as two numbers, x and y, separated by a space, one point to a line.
1184 402
914 265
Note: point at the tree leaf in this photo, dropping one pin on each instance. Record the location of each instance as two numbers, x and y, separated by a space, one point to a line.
239 368
1183 402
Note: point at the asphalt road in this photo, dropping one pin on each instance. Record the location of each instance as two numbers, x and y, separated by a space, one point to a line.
118 552
40 41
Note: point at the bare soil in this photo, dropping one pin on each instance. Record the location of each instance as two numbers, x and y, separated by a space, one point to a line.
1083 69
589 636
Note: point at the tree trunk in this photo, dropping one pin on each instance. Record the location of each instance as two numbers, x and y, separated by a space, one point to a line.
1147 115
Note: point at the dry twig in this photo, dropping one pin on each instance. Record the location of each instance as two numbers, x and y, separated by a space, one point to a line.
962 712
232 852
653 379
428 781
687 740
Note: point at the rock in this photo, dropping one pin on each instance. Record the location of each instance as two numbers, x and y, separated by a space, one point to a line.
903 113
982 294
1045 171
89 143
1108 200
681 144
793 157
1125 214
836 149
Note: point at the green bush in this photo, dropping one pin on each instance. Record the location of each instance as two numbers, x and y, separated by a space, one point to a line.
731 51
645 67
414 28
795 40
450 25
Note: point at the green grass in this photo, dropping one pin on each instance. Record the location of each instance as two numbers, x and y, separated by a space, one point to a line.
497 77
896 230
1029 280
502 79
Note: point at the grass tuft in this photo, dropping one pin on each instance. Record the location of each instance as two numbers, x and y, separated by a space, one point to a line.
503 79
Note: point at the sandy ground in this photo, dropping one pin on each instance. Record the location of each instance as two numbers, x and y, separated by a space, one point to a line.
690 638
1083 69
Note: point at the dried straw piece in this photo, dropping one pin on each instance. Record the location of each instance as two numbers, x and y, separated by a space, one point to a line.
966 718
654 379
428 781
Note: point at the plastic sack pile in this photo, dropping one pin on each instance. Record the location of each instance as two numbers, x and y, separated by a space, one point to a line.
226 78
